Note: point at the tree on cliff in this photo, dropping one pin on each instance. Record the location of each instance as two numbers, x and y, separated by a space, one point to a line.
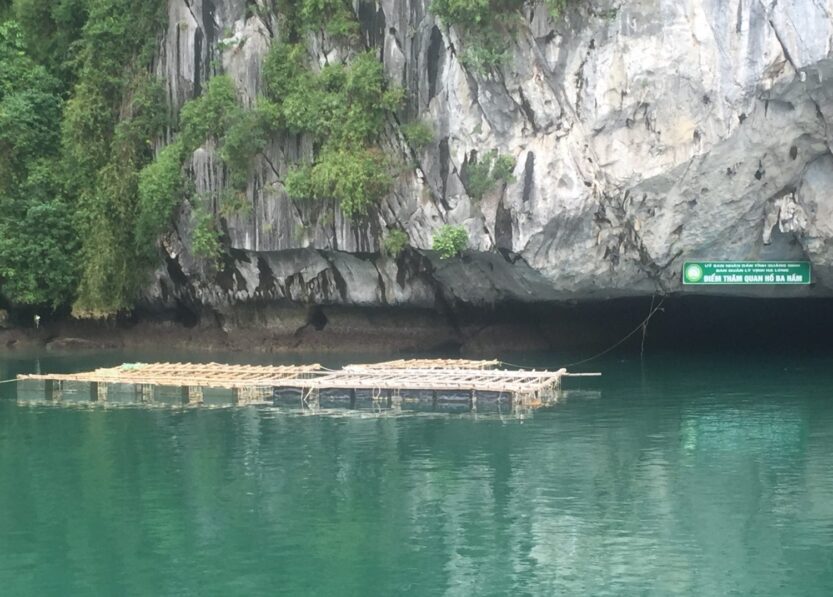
38 246
78 119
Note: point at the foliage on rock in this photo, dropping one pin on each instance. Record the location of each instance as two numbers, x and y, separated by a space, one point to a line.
114 113
160 187
68 179
343 109
357 179
482 175
395 242
86 193
486 27
418 134
38 244
450 241
205 239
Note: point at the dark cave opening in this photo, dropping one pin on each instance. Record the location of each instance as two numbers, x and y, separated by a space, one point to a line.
317 319
682 323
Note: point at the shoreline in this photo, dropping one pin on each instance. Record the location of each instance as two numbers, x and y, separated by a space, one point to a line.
682 323
404 335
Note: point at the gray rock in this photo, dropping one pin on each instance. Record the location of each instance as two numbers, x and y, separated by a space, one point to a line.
645 132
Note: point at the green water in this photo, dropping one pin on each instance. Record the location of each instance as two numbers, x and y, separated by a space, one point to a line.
690 476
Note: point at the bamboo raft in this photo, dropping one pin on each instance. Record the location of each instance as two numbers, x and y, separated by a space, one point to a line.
418 384
426 364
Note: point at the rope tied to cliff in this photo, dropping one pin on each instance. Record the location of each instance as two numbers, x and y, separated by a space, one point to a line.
643 326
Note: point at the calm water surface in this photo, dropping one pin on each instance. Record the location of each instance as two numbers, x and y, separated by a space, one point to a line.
690 476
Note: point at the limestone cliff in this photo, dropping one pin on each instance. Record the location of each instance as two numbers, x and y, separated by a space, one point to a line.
645 132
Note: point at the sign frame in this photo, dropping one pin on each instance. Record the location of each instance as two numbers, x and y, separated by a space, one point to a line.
746 273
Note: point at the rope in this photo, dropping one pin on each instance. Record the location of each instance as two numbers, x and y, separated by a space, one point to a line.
645 331
636 329
508 364
642 326
8 380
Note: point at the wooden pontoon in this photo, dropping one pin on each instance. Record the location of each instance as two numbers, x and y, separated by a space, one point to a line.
389 385
490 380
213 375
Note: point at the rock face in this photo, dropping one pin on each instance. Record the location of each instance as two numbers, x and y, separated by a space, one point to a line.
645 132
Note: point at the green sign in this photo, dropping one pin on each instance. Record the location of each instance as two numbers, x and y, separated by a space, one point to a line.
746 272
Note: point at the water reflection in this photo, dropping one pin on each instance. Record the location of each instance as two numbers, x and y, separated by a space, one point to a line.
657 485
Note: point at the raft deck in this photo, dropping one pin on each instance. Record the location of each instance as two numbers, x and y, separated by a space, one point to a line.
192 374
425 364
393 384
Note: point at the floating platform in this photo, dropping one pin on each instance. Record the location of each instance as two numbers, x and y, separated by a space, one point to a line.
420 385
426 364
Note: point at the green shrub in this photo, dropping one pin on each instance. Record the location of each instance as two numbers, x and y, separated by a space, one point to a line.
245 138
38 244
482 57
341 105
160 191
334 16
418 134
106 211
357 179
482 60
210 115
556 7
467 13
503 168
240 134
395 242
298 182
450 241
309 109
112 114
109 278
51 29
282 67
485 26
205 239
234 203
482 176
30 115
343 108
